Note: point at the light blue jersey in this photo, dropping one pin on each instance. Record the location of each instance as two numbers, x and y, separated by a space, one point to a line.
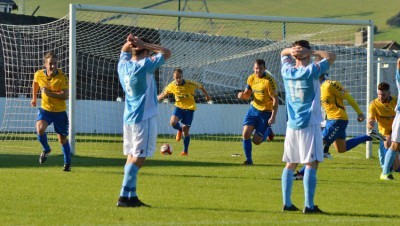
137 80
398 89
302 88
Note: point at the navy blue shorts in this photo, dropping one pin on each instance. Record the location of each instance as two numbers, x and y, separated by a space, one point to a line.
258 119
184 115
59 119
334 129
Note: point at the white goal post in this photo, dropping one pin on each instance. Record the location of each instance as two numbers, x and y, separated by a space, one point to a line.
216 50
227 17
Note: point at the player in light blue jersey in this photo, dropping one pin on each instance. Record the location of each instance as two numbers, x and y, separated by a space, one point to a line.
395 146
136 74
303 141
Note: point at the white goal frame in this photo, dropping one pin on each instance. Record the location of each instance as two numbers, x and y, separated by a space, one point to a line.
73 8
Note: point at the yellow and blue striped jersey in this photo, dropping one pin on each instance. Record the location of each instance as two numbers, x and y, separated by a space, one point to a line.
263 89
55 84
383 113
184 93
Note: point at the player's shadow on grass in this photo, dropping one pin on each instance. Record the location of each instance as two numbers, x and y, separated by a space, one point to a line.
22 161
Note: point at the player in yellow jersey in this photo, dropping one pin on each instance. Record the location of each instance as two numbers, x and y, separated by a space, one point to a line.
263 110
333 95
185 105
382 111
53 84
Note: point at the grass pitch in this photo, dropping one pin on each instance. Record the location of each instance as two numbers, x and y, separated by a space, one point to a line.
208 187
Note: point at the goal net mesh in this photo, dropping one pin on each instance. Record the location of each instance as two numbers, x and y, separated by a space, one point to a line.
218 53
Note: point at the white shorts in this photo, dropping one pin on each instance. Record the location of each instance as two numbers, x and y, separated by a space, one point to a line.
140 139
396 128
303 145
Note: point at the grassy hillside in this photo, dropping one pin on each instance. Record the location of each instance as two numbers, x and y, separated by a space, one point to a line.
339 9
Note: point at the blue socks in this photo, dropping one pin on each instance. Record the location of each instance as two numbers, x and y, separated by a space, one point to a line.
287 184
43 140
66 149
247 150
310 184
186 142
389 159
177 126
129 183
353 142
266 134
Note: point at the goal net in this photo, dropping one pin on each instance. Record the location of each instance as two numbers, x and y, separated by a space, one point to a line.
215 50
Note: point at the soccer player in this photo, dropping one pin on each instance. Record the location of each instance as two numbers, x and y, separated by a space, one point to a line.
395 145
53 84
303 141
136 74
333 95
263 109
382 111
183 91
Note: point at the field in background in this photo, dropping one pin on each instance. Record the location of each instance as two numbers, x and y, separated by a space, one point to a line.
339 9
209 187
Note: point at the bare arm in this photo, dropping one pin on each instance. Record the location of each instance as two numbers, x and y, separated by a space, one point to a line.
62 95
161 96
208 98
137 44
245 95
398 64
35 89
330 57
275 106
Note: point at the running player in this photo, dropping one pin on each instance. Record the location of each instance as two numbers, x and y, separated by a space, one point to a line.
262 112
382 111
53 84
185 105
395 145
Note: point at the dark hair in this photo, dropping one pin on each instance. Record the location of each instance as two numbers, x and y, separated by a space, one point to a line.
49 55
177 70
383 86
260 62
302 43
140 52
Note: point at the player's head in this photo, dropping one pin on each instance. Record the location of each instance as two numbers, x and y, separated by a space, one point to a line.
297 47
383 92
141 52
178 76
259 67
50 63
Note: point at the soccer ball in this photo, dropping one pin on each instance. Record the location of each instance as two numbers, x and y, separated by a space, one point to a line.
166 149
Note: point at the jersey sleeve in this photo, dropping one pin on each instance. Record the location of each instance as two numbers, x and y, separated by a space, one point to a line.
168 89
272 87
321 67
125 56
249 82
65 83
372 111
286 63
338 90
154 62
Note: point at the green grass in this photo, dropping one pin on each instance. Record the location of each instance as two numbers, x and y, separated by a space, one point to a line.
339 9
209 187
